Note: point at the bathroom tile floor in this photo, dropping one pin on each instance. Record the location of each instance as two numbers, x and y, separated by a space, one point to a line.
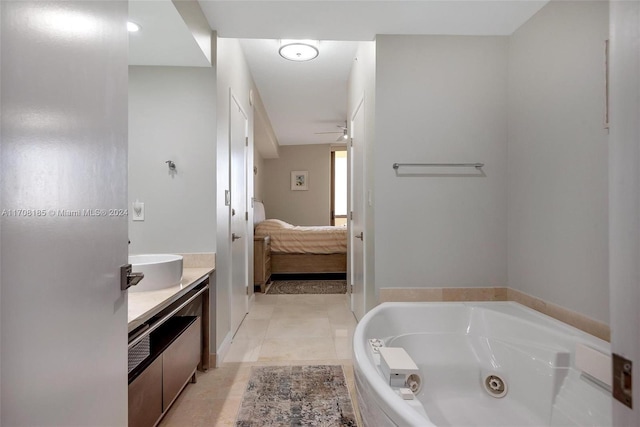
279 330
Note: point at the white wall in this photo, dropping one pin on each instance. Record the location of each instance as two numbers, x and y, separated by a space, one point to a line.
624 149
441 99
172 116
311 207
233 77
1 207
362 85
558 248
258 179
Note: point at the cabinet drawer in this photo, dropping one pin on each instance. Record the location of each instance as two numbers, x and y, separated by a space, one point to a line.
179 361
145 396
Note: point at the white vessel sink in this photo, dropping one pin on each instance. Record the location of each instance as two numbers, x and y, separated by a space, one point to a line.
160 271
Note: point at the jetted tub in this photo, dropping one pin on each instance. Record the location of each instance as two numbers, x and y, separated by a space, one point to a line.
480 364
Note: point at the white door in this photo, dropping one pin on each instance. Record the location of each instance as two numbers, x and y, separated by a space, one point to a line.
357 236
64 152
624 201
238 133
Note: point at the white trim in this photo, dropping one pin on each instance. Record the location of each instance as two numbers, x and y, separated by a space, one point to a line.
221 352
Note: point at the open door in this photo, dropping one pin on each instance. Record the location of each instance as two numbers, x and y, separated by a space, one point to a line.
356 218
624 208
64 224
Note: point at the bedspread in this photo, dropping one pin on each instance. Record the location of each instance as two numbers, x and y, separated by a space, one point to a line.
287 238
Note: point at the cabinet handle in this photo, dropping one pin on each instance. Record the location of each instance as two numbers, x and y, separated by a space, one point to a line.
235 237
360 236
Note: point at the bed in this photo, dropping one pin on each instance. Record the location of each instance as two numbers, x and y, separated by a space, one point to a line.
300 249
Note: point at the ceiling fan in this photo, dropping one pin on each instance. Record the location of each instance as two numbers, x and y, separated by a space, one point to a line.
344 133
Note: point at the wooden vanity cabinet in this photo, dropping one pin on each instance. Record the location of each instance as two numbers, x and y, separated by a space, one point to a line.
179 362
175 354
145 396
178 345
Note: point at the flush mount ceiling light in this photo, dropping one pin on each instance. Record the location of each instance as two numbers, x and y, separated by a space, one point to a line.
132 27
298 50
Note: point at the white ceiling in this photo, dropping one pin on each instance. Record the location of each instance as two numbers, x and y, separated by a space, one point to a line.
164 38
309 97
302 97
362 20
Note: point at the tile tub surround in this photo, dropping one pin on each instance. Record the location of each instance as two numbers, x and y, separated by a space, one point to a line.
577 320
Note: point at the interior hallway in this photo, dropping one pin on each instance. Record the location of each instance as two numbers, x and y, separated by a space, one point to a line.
279 330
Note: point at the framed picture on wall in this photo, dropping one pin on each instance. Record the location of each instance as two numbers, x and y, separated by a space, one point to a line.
299 180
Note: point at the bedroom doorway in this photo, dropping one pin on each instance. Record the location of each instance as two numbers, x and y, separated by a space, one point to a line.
339 186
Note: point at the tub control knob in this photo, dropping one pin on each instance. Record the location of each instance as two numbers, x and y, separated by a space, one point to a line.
376 344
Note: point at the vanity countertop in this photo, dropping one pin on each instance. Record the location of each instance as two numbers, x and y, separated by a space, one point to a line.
143 305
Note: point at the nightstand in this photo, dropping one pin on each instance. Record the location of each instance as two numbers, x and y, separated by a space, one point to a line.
261 261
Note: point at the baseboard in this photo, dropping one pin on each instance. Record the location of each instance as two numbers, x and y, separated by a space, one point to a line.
309 276
222 351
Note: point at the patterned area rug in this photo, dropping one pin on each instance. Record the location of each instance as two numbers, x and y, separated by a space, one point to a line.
296 396
308 287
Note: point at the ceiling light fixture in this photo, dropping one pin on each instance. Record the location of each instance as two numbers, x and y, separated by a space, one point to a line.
132 27
299 50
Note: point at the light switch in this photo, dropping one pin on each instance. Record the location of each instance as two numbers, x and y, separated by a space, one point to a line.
138 211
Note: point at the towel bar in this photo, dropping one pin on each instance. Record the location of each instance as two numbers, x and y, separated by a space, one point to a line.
396 166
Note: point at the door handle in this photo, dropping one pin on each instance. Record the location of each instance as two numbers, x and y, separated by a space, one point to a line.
360 236
235 237
128 278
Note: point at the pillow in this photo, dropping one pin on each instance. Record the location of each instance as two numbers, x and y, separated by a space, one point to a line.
273 224
258 213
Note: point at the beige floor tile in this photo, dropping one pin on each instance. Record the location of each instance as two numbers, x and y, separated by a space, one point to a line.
188 412
243 350
343 321
343 347
341 299
252 329
265 299
224 412
290 327
298 348
279 330
302 299
300 311
225 382
262 312
340 314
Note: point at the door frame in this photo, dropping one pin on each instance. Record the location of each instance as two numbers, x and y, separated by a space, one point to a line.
351 240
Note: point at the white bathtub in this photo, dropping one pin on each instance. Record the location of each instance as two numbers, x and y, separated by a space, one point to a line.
456 346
